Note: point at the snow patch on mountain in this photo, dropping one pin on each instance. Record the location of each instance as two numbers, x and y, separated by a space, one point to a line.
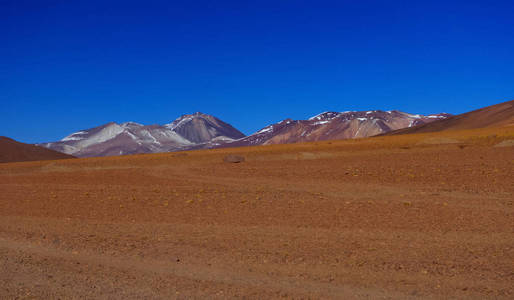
74 136
107 133
327 115
177 123
266 129
320 122
132 137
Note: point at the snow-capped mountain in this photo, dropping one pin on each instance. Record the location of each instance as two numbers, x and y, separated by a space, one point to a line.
186 132
201 128
202 131
335 125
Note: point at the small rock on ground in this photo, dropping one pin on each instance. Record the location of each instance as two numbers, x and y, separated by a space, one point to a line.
233 158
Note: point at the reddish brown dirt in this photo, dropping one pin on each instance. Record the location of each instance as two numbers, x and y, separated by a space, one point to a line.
13 151
382 218
498 115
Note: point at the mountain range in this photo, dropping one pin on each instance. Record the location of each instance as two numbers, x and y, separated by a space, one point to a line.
187 132
203 131
335 125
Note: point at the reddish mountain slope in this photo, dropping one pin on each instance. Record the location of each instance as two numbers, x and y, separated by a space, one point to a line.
498 115
334 126
13 151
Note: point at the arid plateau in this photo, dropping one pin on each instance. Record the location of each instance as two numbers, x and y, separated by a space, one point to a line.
397 217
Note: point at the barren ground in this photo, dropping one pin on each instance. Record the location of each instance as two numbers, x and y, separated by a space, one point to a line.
421 216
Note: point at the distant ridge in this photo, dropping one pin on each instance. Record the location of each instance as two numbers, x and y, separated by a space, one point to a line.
202 131
334 126
497 115
13 151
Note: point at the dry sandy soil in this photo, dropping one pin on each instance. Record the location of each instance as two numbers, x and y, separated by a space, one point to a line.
417 216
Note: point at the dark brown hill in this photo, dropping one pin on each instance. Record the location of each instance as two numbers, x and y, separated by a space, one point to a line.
498 115
13 151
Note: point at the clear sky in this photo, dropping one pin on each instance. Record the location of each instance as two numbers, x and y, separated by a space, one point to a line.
70 65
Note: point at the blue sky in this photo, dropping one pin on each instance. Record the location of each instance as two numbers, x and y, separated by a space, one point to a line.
71 65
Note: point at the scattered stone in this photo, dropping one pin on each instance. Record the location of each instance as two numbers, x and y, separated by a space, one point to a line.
233 158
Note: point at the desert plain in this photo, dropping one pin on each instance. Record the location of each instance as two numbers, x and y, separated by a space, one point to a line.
426 216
